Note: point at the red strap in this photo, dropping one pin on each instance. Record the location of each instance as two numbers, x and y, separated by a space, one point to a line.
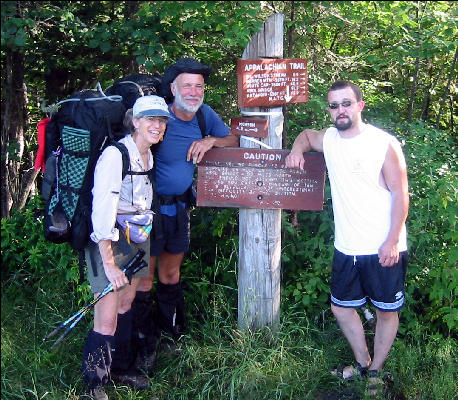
40 161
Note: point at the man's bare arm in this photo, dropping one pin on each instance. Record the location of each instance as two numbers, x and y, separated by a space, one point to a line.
394 172
307 140
198 148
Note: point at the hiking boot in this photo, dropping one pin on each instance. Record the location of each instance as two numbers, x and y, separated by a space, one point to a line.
132 379
146 362
97 393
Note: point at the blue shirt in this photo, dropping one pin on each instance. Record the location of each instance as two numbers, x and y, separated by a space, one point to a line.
174 174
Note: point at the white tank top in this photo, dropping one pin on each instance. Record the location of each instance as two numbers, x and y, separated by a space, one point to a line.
362 208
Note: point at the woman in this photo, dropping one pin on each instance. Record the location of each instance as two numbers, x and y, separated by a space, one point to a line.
107 350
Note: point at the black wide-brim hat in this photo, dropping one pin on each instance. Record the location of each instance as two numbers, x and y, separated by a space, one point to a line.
188 65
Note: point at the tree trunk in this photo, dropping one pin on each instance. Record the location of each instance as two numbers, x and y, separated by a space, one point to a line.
414 88
415 75
451 76
427 103
452 116
15 188
130 65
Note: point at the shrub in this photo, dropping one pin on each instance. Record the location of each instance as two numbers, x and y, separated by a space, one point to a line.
431 283
432 279
30 260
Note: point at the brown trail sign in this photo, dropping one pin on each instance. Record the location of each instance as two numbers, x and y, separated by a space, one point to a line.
272 82
255 127
253 178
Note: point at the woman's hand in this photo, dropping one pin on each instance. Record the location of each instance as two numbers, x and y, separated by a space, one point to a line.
115 275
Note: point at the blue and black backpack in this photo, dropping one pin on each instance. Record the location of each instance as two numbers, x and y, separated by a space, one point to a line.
77 133
82 127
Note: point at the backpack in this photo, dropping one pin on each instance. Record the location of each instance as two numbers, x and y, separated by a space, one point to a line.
131 87
85 124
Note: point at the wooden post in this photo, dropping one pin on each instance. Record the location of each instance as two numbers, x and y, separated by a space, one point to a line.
260 230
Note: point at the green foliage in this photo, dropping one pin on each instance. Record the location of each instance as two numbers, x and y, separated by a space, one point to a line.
433 282
306 259
380 42
122 38
14 28
213 257
427 363
28 315
30 260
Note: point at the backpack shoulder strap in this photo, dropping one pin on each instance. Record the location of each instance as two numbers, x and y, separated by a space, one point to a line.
126 162
201 121
125 157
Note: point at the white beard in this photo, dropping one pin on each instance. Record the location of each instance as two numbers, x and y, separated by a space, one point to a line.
181 104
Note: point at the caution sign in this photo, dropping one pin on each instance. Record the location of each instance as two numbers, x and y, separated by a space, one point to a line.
254 178
272 82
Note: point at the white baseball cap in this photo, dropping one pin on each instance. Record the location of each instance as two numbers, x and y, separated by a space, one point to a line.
146 106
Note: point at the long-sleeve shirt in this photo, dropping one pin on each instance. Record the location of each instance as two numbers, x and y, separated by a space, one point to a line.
112 195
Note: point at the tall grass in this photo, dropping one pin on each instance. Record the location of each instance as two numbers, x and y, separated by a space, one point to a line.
215 360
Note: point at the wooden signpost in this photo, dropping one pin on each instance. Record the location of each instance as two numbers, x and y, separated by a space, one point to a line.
256 180
260 229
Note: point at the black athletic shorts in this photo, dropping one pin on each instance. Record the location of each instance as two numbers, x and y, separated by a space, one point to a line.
356 278
175 239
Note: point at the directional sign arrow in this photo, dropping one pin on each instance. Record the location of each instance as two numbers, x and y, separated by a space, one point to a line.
287 96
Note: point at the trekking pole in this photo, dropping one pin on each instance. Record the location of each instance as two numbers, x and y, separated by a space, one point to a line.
142 264
77 317
79 313
133 263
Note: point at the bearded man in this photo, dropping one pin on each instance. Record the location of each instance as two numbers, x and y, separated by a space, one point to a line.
368 176
193 129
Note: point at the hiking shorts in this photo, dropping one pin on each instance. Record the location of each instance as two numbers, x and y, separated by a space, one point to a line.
99 281
175 239
356 278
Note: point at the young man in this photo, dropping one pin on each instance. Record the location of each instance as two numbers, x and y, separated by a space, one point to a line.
183 147
368 177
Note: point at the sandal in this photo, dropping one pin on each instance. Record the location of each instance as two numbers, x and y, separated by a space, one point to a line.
349 372
377 382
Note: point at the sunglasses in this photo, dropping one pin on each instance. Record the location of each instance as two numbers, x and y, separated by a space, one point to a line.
346 103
